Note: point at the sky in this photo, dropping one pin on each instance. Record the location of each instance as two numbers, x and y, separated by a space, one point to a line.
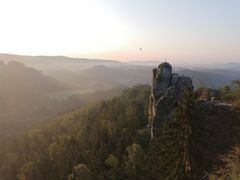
189 31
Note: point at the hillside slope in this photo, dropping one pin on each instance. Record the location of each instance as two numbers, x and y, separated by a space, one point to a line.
52 63
110 140
22 91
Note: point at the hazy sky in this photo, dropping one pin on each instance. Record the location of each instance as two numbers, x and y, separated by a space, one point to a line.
180 30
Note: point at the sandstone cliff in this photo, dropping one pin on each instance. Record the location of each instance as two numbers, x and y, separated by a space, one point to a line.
167 88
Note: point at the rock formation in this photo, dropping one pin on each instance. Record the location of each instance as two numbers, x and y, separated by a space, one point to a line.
167 88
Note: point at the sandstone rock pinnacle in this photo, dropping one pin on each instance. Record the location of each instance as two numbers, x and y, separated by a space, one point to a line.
167 88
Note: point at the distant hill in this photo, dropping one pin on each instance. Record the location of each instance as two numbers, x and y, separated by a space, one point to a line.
100 77
52 63
28 97
211 77
15 76
22 91
233 66
109 76
103 77
95 74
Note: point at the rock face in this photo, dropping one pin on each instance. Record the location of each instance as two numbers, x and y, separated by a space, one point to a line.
167 88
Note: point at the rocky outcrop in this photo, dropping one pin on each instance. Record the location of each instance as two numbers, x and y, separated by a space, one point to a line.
167 88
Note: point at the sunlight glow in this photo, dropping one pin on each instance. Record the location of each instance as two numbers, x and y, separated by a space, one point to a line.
54 27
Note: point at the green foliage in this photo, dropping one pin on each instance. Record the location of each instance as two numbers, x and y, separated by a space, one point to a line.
97 136
111 161
231 166
26 171
170 153
227 94
110 140
207 93
232 94
80 172
134 164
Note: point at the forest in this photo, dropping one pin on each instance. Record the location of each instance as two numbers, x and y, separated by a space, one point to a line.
110 140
